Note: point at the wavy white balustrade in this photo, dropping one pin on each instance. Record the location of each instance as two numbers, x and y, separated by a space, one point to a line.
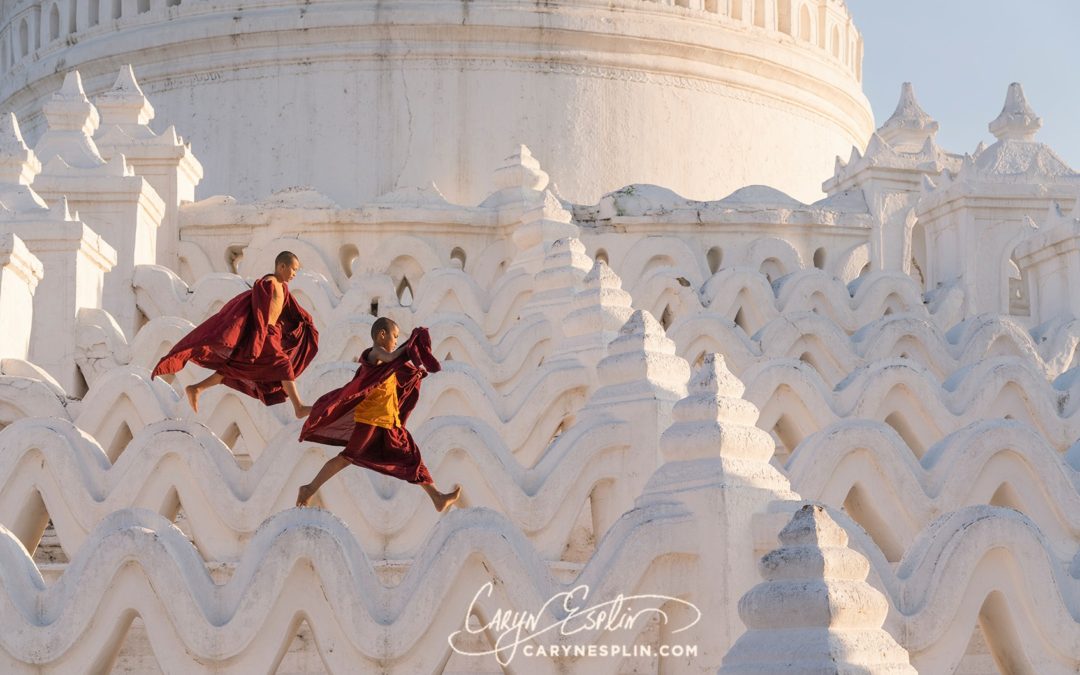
102 346
543 402
796 402
814 338
742 295
28 397
748 298
834 353
306 564
177 463
866 468
159 292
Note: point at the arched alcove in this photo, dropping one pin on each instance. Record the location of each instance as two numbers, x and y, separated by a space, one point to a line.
806 24
233 256
759 13
458 256
783 18
1019 303
54 22
348 255
715 258
772 268
405 292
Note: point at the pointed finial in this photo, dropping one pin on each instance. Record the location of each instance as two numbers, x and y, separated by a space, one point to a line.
877 147
796 623
11 138
929 149
641 363
602 276
72 87
61 210
125 104
69 109
909 127
715 421
812 526
18 164
125 82
521 170
714 377
1017 120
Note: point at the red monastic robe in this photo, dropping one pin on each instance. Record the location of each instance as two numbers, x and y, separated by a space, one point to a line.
254 355
389 451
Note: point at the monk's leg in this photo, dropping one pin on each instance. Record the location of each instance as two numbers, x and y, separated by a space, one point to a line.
290 390
332 466
441 500
193 390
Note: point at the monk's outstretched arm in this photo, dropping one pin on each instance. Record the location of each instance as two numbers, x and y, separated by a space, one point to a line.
380 355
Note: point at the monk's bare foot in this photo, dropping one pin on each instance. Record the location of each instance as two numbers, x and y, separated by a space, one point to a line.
303 497
445 500
193 396
302 411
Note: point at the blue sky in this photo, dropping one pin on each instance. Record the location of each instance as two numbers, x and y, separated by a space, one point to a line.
961 56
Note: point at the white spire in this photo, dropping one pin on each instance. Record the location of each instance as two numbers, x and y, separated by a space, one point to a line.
797 624
125 103
18 164
1017 120
909 127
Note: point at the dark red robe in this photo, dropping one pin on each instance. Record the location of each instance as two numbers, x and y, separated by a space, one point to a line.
253 355
389 451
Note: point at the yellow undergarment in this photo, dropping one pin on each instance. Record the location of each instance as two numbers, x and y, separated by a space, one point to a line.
380 407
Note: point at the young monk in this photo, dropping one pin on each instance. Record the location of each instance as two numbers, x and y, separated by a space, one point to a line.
258 343
368 414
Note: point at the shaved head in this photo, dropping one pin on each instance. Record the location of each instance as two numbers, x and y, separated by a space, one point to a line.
382 324
285 258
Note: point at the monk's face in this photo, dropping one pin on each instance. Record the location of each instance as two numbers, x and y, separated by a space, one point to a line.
288 272
388 339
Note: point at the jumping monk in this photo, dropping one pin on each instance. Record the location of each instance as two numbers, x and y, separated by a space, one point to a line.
258 343
368 414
